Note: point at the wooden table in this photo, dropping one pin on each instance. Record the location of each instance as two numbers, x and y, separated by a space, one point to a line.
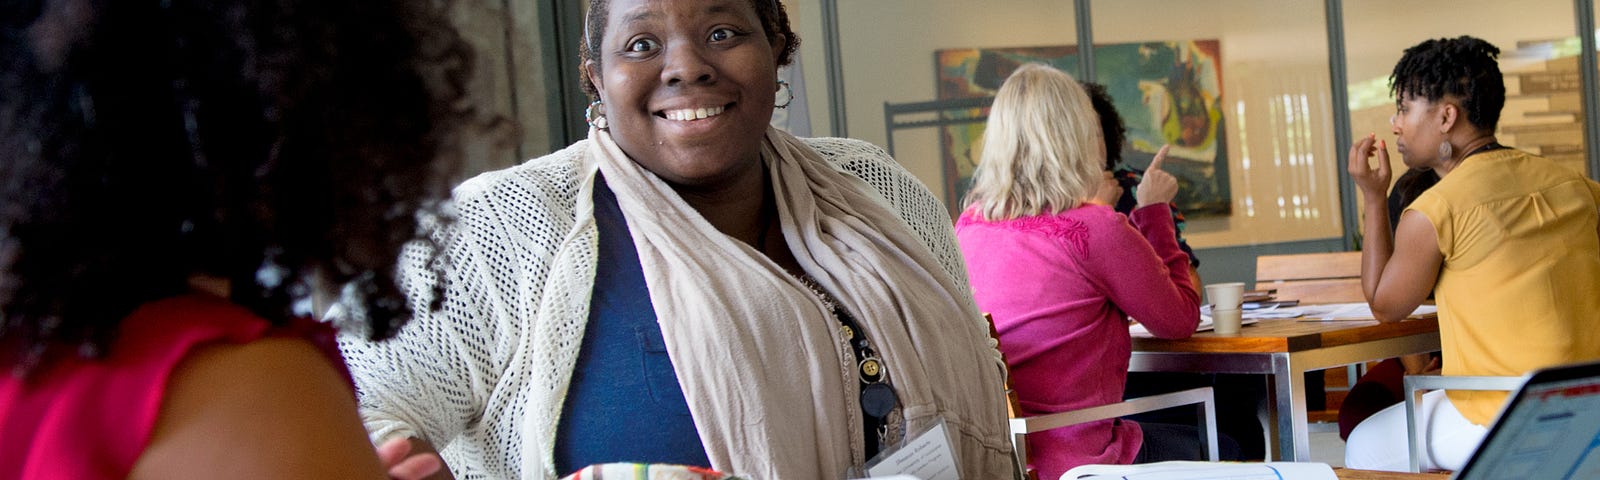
1286 349
1347 474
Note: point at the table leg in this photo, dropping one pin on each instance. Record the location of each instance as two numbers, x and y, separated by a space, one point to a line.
1289 392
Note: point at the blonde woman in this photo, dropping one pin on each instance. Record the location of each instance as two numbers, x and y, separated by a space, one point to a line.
1061 275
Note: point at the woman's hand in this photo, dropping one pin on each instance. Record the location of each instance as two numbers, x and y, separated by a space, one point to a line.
396 457
1157 186
1372 181
1420 364
1109 190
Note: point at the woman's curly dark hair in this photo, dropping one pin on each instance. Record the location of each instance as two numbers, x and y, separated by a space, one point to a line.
279 144
1464 67
774 19
1111 128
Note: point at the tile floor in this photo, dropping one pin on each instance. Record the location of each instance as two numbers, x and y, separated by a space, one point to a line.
1326 447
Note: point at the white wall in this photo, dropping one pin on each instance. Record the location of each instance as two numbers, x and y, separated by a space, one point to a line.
888 57
1277 110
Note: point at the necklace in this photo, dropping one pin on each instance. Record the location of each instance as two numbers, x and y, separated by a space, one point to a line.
1491 146
878 399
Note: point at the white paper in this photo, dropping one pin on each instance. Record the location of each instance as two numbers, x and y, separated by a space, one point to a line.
1204 470
1205 322
1351 311
926 457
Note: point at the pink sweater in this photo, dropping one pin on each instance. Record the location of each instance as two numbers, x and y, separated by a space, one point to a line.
1060 288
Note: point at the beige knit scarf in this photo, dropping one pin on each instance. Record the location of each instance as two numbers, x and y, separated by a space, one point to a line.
768 378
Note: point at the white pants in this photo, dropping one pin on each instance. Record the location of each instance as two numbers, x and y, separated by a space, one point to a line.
1379 442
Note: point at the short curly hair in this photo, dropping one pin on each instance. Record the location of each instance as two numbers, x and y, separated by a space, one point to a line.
280 144
1111 126
774 19
1464 67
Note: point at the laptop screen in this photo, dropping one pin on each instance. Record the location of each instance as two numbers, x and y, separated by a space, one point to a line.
1550 430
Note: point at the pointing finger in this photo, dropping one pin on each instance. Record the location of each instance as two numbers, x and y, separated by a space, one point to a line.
1161 157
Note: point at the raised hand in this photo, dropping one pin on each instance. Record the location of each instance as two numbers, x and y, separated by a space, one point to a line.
1373 181
1157 186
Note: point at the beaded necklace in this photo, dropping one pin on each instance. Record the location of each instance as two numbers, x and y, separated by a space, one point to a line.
878 400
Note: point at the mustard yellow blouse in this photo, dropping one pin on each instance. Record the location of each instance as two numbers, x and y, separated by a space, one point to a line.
1520 285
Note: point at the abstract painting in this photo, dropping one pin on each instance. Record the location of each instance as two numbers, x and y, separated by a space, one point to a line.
1168 93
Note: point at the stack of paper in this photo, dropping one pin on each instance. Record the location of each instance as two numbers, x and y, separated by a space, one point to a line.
1353 311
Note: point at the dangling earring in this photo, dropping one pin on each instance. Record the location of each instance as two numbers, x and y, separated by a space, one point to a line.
1445 150
789 98
596 115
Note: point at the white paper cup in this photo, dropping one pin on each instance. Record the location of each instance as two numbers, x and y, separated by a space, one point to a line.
1226 322
1225 296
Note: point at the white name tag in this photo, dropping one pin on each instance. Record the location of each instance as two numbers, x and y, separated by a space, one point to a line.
928 456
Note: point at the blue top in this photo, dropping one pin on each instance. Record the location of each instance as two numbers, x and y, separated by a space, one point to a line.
625 404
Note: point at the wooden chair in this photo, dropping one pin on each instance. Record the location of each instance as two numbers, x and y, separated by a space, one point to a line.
1312 277
1416 384
1317 278
1203 398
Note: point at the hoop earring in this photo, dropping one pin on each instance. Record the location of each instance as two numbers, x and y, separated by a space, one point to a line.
595 114
784 87
1445 150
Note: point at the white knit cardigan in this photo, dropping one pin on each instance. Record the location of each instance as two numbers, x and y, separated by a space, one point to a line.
505 340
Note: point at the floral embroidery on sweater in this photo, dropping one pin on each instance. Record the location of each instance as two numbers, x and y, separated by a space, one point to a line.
1069 231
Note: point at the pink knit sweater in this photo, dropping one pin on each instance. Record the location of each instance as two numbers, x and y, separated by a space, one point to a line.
1060 288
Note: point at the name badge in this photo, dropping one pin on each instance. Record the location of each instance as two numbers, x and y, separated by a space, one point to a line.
927 456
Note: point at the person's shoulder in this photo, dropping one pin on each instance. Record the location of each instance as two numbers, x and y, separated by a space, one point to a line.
279 400
1076 224
849 152
559 167
1095 216
185 322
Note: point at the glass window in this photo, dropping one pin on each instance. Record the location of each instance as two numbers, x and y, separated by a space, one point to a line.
1539 58
916 51
1246 105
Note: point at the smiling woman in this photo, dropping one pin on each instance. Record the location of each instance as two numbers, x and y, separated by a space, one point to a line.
661 72
690 286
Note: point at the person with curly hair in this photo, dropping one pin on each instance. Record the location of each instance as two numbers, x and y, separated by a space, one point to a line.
184 182
1061 275
691 286
1507 241
1116 189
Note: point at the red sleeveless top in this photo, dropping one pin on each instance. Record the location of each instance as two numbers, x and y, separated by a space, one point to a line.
92 419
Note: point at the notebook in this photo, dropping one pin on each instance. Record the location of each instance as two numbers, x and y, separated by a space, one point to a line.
1549 429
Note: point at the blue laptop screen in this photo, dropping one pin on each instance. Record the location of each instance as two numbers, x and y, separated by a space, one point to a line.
1552 431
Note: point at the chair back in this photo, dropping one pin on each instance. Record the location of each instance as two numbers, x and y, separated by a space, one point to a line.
1312 277
1012 405
1203 399
1019 454
1416 384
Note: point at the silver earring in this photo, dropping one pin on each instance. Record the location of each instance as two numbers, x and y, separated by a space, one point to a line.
784 88
1445 150
595 114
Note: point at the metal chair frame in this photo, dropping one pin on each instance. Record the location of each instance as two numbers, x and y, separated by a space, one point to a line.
1203 398
1418 383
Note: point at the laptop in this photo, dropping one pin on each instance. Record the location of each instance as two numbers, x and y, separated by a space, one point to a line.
1549 429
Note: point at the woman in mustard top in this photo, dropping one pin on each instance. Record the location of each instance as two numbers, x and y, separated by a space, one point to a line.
1507 241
